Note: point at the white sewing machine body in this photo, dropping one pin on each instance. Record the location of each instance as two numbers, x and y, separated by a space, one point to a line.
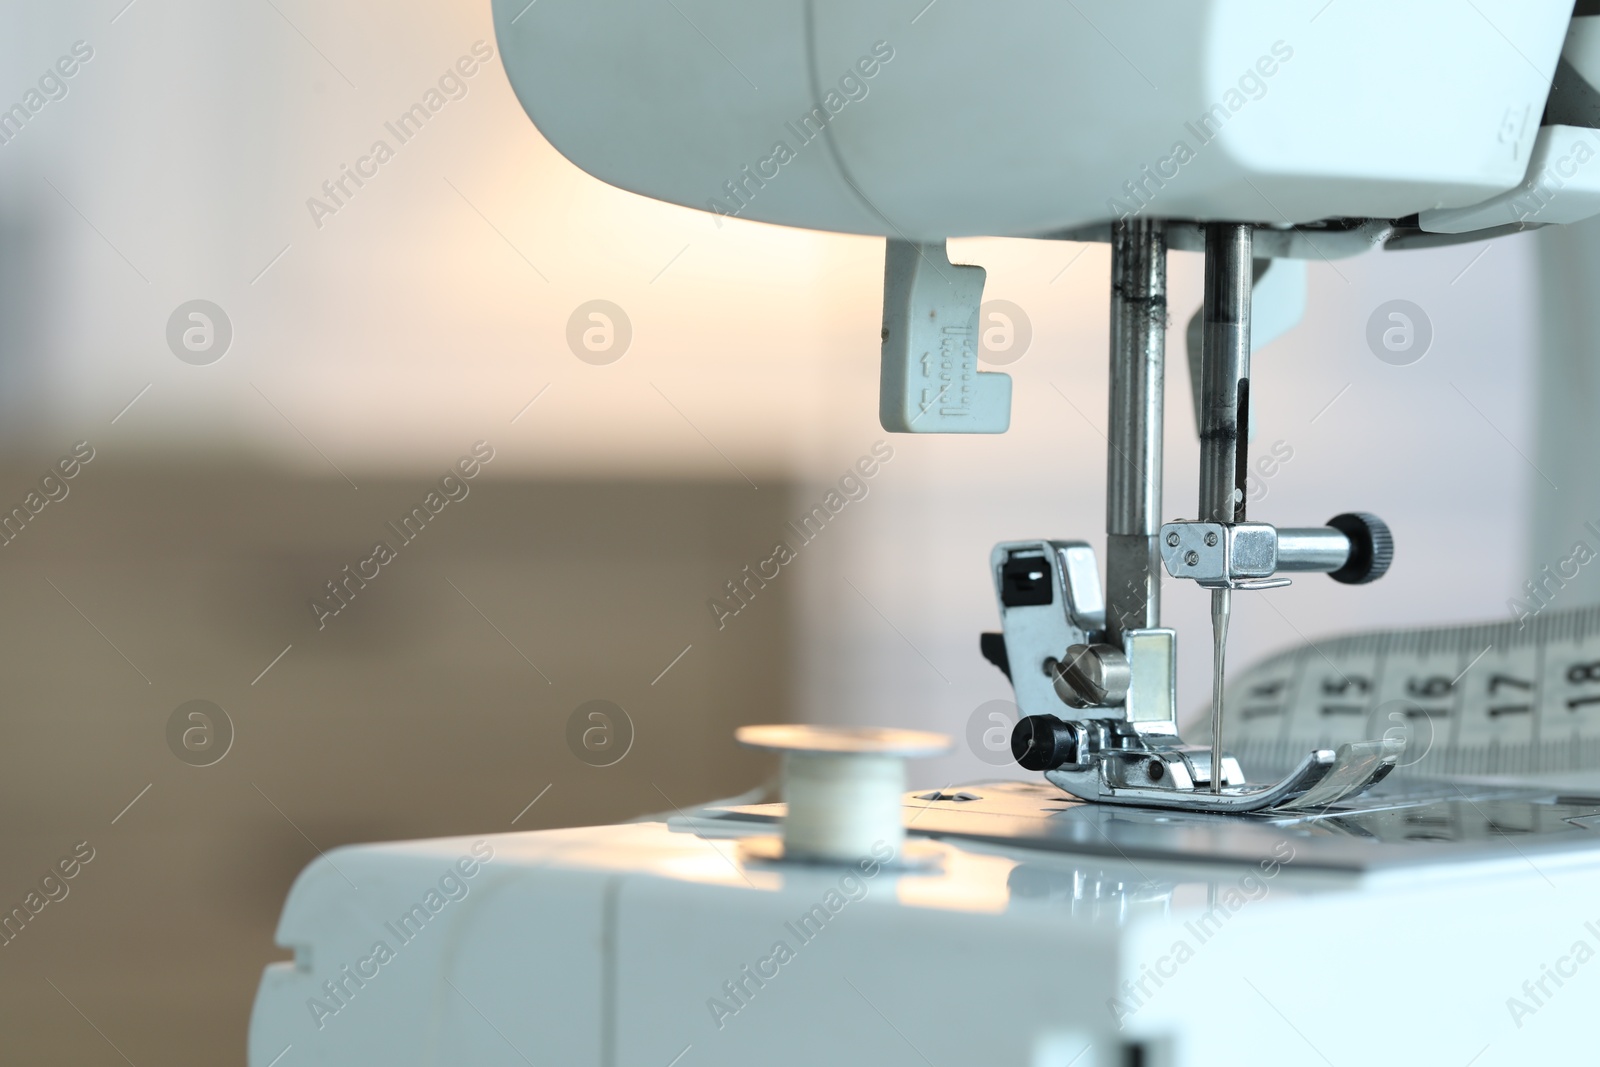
1034 118
1053 932
1095 928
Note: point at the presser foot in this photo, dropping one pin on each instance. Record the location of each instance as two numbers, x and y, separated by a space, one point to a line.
1126 749
1179 777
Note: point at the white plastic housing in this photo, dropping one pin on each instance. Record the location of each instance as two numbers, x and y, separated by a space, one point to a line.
1562 186
618 945
1027 117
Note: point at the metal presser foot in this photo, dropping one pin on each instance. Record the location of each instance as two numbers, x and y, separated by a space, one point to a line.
1065 647
1124 748
1170 776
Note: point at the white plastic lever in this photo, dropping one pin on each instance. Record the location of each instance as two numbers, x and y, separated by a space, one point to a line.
931 382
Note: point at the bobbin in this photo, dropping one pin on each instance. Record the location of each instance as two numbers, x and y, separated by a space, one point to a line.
844 787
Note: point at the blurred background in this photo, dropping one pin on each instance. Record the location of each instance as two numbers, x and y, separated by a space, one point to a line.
370 347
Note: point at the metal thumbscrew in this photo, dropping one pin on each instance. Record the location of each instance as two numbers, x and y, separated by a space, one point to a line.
843 787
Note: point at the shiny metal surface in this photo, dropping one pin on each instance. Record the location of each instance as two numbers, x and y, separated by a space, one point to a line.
1152 702
1393 827
1325 241
1212 553
1348 771
1216 554
1066 607
1224 417
1112 761
1312 548
1219 652
1134 425
1093 676
1225 372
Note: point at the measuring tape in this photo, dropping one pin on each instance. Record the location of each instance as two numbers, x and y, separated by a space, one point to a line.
1513 698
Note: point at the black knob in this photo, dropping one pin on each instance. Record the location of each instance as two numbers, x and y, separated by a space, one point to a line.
1371 547
1043 743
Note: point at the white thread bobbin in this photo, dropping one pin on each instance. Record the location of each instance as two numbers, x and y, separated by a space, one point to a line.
844 788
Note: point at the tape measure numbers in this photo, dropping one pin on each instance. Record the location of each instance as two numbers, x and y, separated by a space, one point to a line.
1497 698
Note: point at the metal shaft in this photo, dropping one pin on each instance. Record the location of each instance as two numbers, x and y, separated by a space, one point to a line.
1224 422
1134 434
1312 548
1225 372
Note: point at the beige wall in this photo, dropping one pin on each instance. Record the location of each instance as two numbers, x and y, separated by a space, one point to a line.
408 716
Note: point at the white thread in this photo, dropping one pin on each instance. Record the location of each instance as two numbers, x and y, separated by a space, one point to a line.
842 807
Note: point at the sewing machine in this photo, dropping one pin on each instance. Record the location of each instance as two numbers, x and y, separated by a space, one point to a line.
1146 901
